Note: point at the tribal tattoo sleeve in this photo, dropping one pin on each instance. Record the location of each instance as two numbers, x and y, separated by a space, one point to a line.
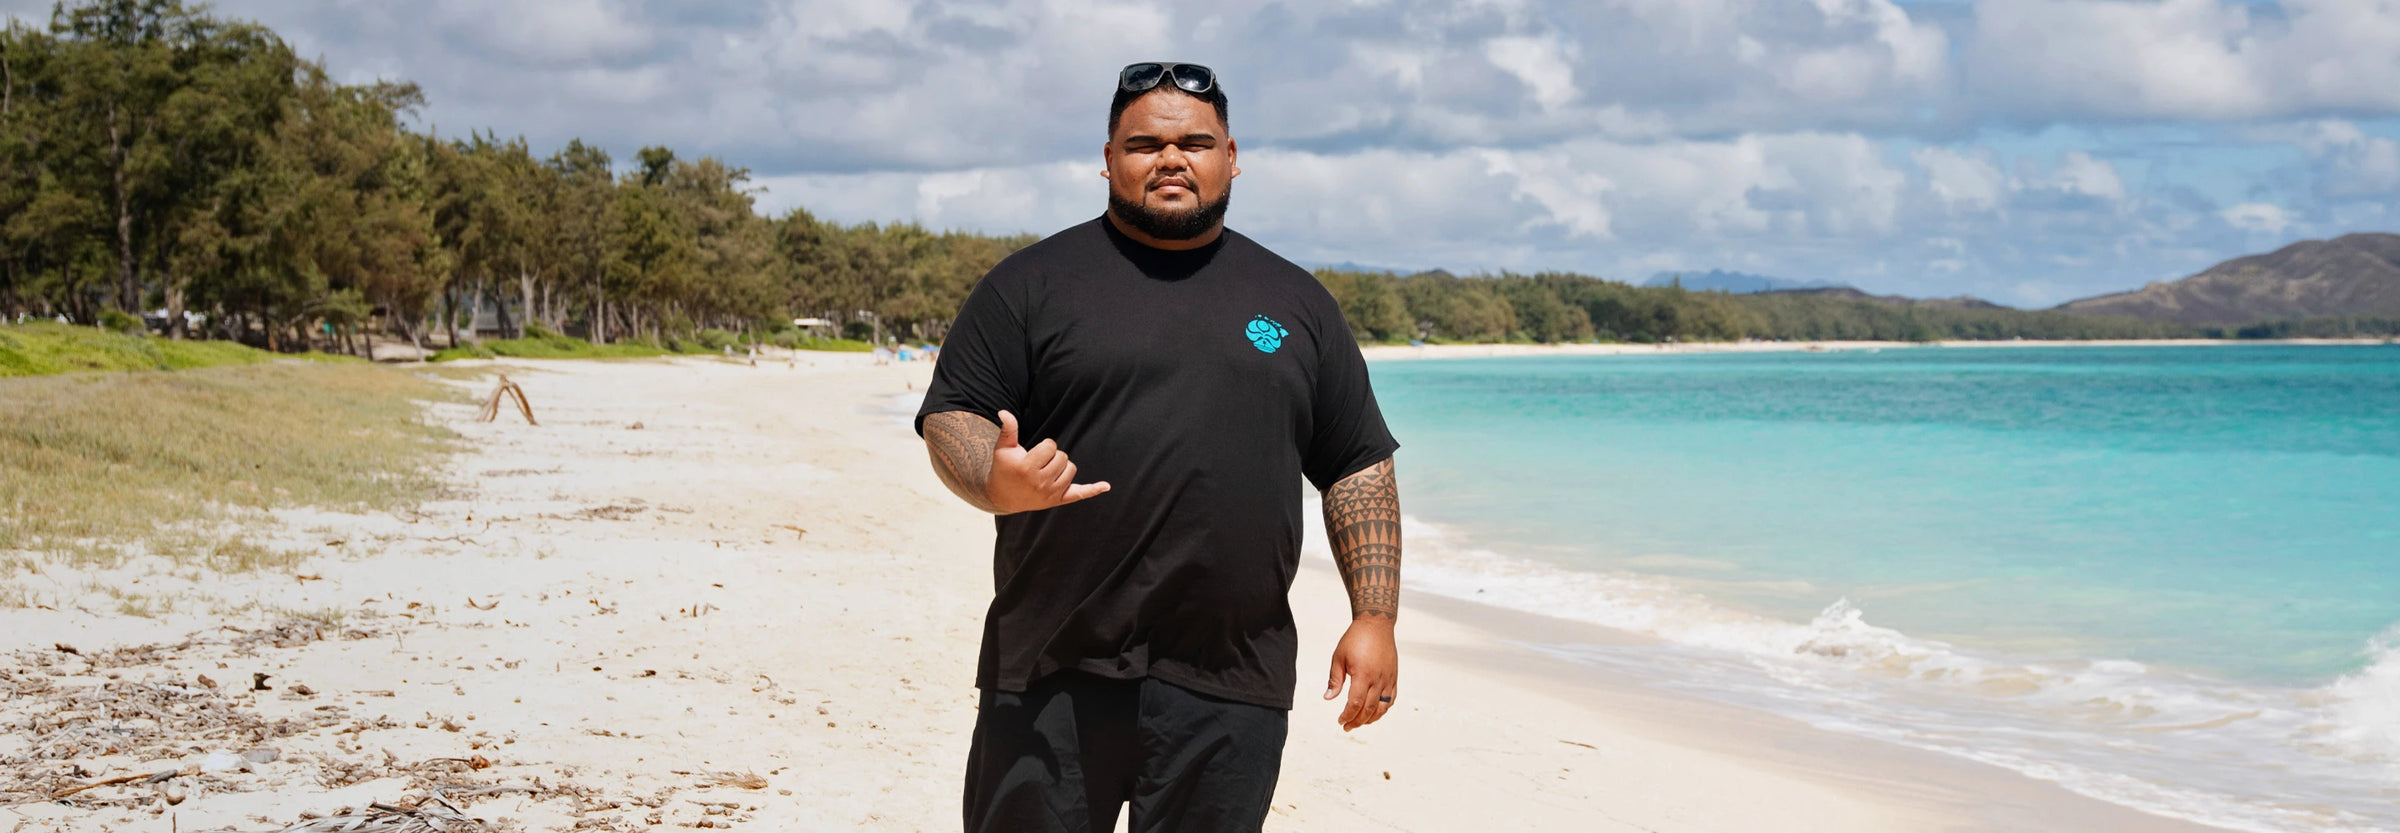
961 444
1362 520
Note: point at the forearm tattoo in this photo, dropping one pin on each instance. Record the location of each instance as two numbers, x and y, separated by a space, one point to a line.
961 444
1362 520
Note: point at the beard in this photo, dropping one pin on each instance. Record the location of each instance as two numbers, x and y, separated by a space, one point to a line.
1170 224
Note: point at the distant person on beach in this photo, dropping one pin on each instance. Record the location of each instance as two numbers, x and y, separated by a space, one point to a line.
1140 647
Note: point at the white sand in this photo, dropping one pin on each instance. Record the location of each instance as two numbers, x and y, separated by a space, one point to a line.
658 616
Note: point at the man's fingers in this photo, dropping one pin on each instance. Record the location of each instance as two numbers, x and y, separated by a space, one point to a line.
1008 430
1064 478
1354 712
1369 706
1080 491
1041 453
1333 678
1380 703
1046 466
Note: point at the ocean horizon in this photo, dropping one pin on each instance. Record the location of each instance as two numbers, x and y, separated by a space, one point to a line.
2165 577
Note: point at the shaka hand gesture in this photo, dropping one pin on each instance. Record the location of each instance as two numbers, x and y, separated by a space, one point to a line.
1032 479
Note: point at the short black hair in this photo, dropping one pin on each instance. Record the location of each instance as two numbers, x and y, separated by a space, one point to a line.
1215 98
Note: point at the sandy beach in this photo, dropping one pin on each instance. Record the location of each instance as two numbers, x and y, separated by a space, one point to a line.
702 594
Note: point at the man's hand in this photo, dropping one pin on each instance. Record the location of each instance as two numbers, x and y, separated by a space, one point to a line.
1367 656
1032 479
982 464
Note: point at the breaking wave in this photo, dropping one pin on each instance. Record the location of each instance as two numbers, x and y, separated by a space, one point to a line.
2235 755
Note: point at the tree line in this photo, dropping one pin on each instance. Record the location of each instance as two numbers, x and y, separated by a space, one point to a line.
1554 307
155 158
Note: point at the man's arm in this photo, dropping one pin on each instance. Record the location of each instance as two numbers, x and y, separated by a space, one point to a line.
1362 522
982 465
962 444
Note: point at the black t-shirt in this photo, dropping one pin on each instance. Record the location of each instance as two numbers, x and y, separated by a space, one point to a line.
1202 385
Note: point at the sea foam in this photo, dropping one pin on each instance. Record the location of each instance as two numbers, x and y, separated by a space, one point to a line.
2244 757
2366 706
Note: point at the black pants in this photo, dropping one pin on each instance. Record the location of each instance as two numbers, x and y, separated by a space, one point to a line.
1061 756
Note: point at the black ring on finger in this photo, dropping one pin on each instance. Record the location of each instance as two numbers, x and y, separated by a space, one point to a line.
1386 699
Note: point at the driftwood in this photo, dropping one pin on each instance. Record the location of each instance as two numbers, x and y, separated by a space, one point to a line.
491 408
157 777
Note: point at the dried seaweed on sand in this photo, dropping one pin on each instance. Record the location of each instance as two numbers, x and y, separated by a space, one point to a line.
433 815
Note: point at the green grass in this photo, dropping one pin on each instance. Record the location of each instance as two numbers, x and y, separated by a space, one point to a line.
548 346
551 346
47 348
835 345
103 465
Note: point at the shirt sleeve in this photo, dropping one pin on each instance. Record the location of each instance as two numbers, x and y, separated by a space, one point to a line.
1348 433
982 366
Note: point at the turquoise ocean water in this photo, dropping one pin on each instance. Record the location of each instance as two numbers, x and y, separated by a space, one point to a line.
2163 576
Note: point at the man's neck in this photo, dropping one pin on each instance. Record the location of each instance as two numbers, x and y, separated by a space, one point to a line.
1204 238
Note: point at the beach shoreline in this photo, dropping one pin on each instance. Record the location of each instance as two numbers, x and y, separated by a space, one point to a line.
1411 352
695 571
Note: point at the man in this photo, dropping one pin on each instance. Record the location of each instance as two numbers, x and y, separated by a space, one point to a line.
1140 647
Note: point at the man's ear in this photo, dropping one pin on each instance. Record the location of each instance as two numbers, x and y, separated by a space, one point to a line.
1108 156
1233 155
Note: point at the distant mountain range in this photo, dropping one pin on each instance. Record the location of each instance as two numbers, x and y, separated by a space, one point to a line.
1354 266
1739 283
2351 275
1851 294
2355 275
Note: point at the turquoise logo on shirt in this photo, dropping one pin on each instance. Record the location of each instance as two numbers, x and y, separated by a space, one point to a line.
1265 334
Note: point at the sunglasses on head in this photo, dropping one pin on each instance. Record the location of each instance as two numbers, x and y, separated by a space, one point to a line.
1190 78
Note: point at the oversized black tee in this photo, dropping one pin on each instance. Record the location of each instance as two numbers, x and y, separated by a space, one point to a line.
1202 385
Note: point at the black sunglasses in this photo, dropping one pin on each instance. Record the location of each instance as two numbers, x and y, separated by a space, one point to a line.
1190 78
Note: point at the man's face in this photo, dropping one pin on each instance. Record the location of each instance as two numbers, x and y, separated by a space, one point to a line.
1169 164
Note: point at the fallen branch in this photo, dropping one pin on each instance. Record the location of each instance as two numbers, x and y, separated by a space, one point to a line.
491 408
151 777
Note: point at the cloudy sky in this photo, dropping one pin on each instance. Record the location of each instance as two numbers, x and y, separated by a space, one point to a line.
2025 151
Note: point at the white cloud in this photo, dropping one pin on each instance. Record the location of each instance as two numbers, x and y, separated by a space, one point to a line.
1900 51
1588 204
2184 59
2257 216
2079 173
1962 181
2349 162
1541 63
545 31
1569 199
833 85
1042 197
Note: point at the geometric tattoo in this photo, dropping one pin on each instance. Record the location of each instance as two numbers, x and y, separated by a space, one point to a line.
1362 520
961 444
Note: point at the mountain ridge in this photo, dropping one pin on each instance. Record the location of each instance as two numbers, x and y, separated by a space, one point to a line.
1854 294
2355 274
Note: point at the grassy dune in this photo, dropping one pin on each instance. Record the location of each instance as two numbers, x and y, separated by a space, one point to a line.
103 466
44 348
